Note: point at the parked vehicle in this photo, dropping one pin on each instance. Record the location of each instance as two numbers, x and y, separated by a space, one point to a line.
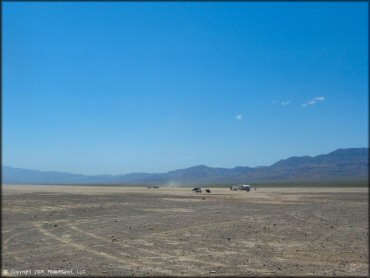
245 187
197 190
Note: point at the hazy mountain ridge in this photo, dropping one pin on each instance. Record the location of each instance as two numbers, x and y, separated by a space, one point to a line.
349 163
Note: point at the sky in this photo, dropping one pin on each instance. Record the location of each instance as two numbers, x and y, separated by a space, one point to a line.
121 87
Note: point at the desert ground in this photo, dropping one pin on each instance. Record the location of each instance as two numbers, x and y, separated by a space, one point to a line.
126 231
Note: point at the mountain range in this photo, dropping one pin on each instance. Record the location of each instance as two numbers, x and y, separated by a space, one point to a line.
341 164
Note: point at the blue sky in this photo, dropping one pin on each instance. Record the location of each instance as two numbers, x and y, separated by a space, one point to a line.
123 87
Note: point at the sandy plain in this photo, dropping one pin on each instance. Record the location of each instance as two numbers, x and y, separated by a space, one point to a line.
136 231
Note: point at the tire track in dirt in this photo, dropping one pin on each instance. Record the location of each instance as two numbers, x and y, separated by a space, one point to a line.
155 254
6 241
105 255
294 215
318 214
73 227
195 227
5 245
154 259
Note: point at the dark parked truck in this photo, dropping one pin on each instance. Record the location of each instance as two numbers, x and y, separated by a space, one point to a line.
197 190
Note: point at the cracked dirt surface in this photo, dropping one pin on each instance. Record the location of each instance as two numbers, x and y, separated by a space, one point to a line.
171 231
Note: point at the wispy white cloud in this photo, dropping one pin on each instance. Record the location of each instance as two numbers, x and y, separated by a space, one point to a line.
313 101
284 103
239 117
319 98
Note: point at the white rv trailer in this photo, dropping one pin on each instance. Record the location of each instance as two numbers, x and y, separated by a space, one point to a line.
246 187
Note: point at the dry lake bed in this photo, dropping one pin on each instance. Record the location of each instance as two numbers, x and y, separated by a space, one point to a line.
126 231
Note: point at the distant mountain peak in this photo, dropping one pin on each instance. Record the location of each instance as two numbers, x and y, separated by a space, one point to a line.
201 166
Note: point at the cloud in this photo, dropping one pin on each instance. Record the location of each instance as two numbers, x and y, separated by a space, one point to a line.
313 101
319 98
239 117
285 102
